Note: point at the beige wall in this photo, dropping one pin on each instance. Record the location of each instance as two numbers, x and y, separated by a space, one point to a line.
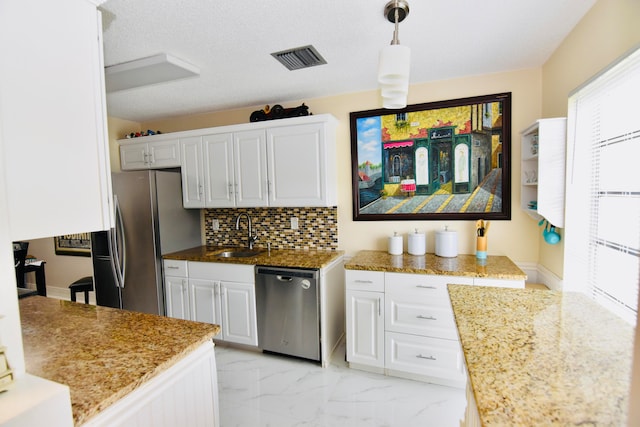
608 30
516 238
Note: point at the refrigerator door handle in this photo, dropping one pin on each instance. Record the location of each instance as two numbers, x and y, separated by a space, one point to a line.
111 258
119 258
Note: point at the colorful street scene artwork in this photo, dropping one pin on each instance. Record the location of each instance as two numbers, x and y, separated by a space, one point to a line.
445 160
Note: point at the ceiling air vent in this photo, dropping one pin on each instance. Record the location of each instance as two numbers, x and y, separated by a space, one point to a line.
299 57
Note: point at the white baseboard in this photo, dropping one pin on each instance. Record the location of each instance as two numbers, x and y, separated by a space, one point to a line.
65 294
549 278
537 273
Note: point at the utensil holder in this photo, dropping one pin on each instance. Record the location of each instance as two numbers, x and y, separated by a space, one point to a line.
481 247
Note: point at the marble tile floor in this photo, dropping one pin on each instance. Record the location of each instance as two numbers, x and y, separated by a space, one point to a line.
259 390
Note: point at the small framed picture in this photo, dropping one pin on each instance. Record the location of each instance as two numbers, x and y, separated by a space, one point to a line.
73 244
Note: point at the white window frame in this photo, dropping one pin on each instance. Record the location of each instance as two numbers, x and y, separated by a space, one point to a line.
602 212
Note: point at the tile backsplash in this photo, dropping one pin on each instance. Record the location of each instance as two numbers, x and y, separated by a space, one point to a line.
317 227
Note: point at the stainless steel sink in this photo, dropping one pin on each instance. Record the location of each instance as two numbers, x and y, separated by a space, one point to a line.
239 253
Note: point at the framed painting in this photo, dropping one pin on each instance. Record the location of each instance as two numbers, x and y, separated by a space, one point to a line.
73 244
445 160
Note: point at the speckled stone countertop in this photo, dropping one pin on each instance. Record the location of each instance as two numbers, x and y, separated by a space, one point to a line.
538 357
102 353
276 258
497 267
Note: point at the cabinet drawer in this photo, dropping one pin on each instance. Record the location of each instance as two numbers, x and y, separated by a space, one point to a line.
422 284
174 267
407 315
424 356
364 280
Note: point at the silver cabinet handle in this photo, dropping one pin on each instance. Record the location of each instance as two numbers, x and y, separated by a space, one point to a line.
420 316
419 356
426 287
171 267
379 310
363 281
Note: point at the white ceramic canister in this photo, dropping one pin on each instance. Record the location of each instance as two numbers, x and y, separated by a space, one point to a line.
447 243
395 244
417 243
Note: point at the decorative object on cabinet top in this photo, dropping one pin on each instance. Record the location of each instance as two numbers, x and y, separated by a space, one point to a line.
274 258
132 349
278 112
139 134
497 267
538 355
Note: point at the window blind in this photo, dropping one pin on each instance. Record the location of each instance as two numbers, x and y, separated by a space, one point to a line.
602 213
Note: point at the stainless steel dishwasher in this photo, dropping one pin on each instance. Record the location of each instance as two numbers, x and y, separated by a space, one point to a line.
288 311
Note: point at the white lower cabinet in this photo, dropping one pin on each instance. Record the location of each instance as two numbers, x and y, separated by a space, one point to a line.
365 326
222 294
176 289
403 324
440 360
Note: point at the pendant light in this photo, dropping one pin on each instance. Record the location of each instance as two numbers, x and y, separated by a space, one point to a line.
395 61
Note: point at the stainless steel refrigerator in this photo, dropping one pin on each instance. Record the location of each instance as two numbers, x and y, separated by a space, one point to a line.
150 222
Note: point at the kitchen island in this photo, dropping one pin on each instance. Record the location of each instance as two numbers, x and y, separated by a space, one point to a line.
113 359
538 357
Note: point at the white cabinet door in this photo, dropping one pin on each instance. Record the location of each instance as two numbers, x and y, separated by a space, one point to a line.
150 155
52 75
205 305
164 154
177 297
365 328
250 157
220 187
238 302
297 165
133 156
192 173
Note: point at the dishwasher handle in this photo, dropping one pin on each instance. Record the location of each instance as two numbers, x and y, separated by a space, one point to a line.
284 274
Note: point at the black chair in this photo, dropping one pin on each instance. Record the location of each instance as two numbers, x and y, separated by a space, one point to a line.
85 285
19 258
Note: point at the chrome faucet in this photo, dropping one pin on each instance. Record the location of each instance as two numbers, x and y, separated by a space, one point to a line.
250 238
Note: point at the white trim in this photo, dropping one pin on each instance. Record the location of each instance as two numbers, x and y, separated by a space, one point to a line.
537 273
65 294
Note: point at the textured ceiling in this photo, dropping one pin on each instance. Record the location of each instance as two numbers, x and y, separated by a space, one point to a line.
231 43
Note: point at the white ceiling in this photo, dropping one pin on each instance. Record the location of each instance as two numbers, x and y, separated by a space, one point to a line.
231 43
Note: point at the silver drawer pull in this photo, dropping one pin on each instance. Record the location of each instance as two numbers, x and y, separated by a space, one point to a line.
172 268
425 357
426 287
420 316
363 281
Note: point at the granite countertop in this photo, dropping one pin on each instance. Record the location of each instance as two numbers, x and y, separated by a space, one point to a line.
276 258
538 357
102 353
497 267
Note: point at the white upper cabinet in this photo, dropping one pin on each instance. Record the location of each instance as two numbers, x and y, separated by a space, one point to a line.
53 118
543 169
149 155
250 161
192 172
301 166
219 180
289 162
